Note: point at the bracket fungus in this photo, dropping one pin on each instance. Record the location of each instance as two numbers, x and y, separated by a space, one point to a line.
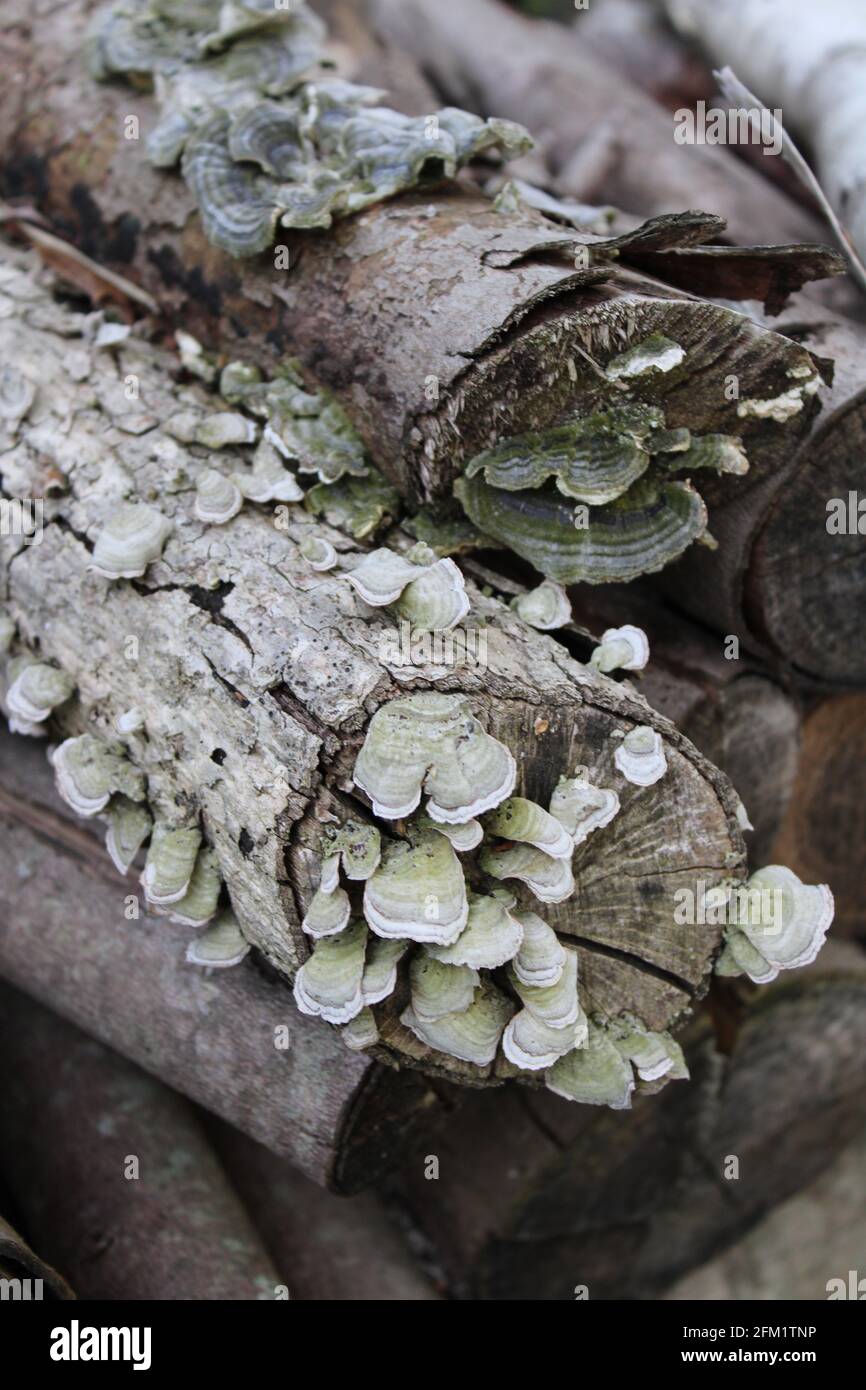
556 1005
380 969
355 845
431 742
640 756
623 648
418 891
129 824
541 958
439 989
171 860
221 945
525 821
776 922
492 935
260 143
551 880
36 689
89 772
595 1074
472 1035
328 913
200 901
429 593
464 837
319 554
217 498
328 984
130 541
361 1031
532 1045
546 608
582 807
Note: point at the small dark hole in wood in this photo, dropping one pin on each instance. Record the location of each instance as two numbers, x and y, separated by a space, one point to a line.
218 756
245 843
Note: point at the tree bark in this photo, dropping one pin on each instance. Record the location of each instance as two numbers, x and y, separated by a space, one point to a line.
113 1172
257 678
538 1200
336 1115
335 1249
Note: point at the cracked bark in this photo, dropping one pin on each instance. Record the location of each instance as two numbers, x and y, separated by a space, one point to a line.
536 1198
279 670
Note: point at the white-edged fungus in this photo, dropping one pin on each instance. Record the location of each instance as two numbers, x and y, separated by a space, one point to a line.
221 945
492 935
471 1036
224 428
432 742
640 756
217 498
551 880
130 722
194 358
653 1055
777 922
380 968
418 891
330 873
328 913
36 690
595 1074
547 607
542 956
319 554
429 593
623 648
129 824
361 1031
88 772
269 479
170 862
438 989
328 984
463 837
556 1005
130 541
201 899
528 823
534 1046
581 807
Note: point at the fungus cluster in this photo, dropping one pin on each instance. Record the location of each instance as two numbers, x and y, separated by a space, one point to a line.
593 499
265 133
484 977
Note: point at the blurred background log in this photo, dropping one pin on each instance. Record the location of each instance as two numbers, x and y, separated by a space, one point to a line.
64 940
823 835
535 1199
343 1249
113 1173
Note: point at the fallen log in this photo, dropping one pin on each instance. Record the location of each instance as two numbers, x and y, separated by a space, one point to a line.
241 682
65 940
531 1199
332 1249
114 1174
